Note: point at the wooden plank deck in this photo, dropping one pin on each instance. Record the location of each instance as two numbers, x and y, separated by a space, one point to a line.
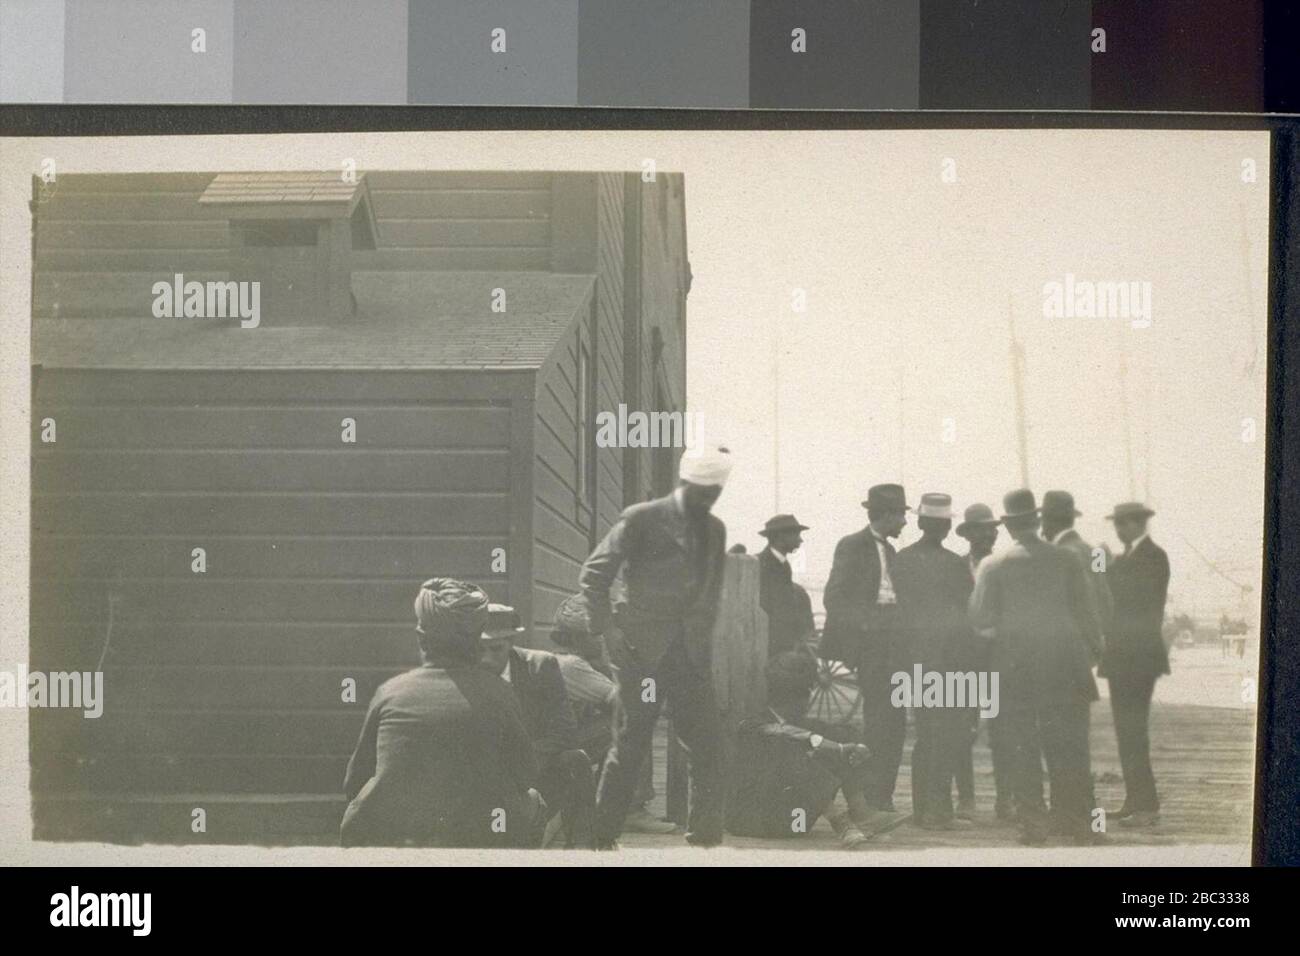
1204 764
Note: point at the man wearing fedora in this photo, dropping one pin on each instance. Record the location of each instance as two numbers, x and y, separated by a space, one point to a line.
788 607
936 587
1135 655
669 553
1059 513
863 629
1033 599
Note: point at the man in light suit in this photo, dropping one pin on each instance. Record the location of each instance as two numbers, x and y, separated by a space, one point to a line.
1034 600
864 630
1135 656
671 553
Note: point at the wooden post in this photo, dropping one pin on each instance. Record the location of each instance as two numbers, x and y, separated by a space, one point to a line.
739 672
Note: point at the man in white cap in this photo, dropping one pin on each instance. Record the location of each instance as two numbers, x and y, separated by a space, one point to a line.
670 551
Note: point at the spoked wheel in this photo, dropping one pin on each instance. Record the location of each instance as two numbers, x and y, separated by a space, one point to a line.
836 698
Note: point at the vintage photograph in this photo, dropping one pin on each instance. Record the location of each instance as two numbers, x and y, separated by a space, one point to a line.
888 495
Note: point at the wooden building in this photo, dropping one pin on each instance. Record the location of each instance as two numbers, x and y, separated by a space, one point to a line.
235 520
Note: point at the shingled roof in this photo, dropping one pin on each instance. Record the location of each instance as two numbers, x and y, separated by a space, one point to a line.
405 320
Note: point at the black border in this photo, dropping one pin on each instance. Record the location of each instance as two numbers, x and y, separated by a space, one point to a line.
1277 834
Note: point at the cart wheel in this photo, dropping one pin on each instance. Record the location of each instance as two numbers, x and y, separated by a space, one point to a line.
836 696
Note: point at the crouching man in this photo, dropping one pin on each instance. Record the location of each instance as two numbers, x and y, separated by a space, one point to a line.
789 770
444 758
566 776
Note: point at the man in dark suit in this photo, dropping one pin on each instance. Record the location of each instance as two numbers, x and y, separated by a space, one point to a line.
789 767
789 609
979 527
863 630
444 758
935 585
1034 601
1135 656
1059 513
670 552
565 776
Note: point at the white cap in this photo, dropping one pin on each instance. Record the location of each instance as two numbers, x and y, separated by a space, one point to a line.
705 465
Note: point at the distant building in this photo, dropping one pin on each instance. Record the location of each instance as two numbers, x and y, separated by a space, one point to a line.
417 398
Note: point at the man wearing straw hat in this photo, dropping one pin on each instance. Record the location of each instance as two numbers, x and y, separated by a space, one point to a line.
670 551
1035 601
936 589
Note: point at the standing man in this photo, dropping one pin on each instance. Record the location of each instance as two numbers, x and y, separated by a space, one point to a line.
979 527
789 609
671 552
936 587
1135 656
863 630
1058 528
1035 600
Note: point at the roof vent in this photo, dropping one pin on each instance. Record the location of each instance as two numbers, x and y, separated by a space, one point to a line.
295 234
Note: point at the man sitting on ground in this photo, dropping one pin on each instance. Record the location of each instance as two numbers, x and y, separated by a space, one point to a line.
789 770
566 778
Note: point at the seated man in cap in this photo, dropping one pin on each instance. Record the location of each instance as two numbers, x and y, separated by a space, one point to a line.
670 552
1035 602
565 776
935 586
1136 656
444 758
788 769
789 609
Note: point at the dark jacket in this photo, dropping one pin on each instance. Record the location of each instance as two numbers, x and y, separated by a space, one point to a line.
1139 584
787 605
935 586
776 772
1072 541
442 752
672 568
1036 602
539 688
850 596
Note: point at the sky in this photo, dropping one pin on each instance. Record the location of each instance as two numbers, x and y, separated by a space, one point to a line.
914 251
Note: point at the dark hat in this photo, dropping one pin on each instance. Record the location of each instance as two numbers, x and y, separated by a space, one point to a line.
977 514
1060 503
502 619
791 673
781 523
573 616
886 498
1018 504
1130 509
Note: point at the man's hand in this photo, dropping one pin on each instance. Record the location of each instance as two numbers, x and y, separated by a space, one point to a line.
618 715
857 754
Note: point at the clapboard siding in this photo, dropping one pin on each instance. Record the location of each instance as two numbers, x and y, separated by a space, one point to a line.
314 552
78 645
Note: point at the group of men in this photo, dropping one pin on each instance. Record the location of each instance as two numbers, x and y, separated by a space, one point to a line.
489 743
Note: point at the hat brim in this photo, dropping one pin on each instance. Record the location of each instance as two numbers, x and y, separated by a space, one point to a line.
977 523
867 504
1144 513
768 532
1022 514
1072 512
